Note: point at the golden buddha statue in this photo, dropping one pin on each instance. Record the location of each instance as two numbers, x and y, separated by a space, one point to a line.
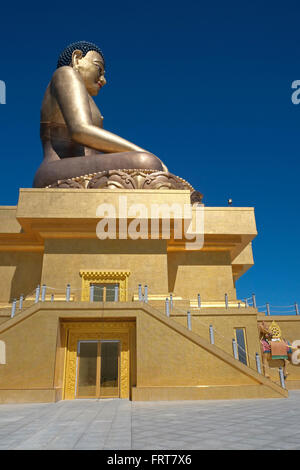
78 152
72 134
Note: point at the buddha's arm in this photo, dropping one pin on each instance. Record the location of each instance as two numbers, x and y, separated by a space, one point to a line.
72 97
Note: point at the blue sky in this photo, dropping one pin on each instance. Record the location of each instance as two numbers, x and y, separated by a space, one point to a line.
206 86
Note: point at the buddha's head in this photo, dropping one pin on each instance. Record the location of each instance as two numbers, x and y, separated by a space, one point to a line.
88 60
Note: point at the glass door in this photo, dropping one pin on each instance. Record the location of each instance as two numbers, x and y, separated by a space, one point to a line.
87 367
109 377
98 369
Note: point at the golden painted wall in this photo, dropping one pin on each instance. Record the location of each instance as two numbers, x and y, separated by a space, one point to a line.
207 273
30 353
62 224
224 323
146 261
36 349
58 241
20 273
183 273
164 357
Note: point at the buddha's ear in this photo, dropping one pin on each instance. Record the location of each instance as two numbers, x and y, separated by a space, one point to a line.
76 56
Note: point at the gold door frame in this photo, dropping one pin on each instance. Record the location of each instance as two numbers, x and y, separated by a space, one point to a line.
81 331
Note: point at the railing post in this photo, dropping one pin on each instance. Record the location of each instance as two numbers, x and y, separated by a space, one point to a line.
189 321
281 376
68 293
268 309
146 294
140 293
21 302
211 334
199 301
226 300
116 293
92 288
258 366
296 308
171 302
43 295
13 308
167 309
37 294
254 300
234 348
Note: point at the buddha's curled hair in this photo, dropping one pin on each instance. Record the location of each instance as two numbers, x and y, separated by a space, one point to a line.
65 57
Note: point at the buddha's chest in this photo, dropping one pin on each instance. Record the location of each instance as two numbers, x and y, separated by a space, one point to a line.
97 117
51 112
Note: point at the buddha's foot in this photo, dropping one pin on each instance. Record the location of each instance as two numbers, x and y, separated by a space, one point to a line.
129 179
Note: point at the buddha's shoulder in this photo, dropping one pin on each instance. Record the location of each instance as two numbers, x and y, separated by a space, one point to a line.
64 73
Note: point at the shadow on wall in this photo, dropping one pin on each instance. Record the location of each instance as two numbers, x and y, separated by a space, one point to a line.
192 258
120 247
27 273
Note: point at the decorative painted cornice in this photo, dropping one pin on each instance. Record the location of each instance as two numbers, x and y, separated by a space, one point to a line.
104 275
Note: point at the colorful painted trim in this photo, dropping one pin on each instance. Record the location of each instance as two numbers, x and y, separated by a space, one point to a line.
279 357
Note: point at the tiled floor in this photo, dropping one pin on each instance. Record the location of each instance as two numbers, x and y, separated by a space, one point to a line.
121 424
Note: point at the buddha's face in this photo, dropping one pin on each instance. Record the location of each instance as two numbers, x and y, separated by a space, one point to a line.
91 69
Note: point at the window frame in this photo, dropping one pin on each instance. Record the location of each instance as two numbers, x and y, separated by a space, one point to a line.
245 342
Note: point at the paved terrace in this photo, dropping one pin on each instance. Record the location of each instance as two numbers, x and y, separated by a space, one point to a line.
121 424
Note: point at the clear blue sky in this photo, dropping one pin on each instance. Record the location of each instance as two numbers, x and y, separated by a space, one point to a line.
206 86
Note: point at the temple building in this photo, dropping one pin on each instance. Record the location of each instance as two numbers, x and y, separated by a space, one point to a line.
116 279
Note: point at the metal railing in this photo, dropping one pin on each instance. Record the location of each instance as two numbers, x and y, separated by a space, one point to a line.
65 293
41 292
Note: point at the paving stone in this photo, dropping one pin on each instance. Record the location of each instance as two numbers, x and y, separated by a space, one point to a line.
121 424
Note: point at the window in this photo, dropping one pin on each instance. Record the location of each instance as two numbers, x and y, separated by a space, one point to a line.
106 280
240 336
105 292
